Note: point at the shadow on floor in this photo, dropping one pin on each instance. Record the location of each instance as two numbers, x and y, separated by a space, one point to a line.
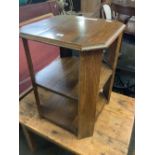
43 146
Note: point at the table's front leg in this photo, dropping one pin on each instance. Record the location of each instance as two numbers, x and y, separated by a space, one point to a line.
32 74
89 77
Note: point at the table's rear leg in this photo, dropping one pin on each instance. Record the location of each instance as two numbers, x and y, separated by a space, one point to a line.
114 52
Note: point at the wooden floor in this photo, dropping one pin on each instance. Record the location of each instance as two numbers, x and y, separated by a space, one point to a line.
112 129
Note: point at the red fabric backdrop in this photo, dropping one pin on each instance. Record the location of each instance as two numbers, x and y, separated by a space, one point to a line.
42 55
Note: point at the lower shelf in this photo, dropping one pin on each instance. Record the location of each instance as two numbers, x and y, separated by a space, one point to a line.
63 111
58 109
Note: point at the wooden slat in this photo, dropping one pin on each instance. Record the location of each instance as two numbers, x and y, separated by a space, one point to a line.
112 129
62 76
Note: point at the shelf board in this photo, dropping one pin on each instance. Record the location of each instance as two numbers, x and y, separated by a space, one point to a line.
63 111
61 77
58 109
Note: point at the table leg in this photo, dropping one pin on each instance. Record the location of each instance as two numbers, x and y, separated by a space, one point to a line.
89 76
113 58
29 139
32 74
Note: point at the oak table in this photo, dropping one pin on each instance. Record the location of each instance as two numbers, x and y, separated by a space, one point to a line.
77 87
111 135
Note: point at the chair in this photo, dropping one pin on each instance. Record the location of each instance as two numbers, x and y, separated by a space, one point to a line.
122 14
126 15
106 12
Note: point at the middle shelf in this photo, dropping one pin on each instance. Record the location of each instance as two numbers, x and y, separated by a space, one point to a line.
61 77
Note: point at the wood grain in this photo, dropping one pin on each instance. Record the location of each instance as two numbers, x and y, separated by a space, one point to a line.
74 32
112 129
58 109
62 77
75 102
90 68
32 74
61 110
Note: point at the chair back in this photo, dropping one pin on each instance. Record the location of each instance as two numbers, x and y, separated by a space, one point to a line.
106 12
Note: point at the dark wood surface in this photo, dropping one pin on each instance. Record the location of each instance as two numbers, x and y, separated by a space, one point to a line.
79 33
61 76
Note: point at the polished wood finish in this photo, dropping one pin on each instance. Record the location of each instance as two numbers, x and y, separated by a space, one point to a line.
88 91
78 33
77 83
112 130
61 76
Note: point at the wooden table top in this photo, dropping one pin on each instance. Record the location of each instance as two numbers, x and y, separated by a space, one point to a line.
112 129
124 3
74 32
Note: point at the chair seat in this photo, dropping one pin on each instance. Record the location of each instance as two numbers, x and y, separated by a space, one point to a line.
130 26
